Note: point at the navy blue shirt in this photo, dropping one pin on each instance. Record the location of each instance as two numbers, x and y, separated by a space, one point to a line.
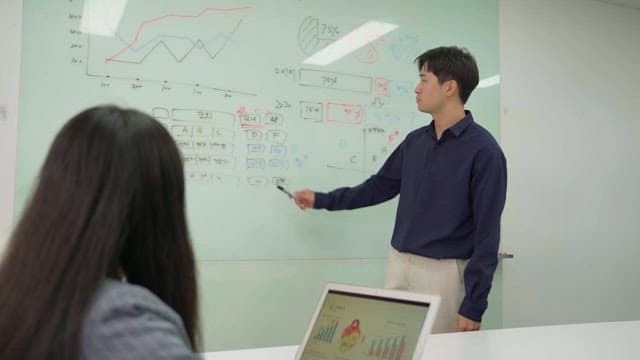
452 193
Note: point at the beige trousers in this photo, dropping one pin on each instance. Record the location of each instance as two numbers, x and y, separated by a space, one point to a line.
421 274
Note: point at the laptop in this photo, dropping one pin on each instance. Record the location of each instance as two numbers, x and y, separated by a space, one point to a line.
354 322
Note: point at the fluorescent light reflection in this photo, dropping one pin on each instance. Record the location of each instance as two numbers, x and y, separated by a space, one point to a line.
361 36
490 81
101 17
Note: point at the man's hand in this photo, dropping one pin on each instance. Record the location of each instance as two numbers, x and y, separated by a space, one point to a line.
464 324
305 198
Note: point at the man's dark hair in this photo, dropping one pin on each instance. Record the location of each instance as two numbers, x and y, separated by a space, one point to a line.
110 196
452 63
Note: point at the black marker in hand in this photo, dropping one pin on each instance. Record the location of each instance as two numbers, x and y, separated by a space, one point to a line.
290 195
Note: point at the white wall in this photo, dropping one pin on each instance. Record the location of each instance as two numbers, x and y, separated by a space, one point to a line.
10 31
570 128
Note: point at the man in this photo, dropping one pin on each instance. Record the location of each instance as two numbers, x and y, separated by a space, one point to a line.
451 176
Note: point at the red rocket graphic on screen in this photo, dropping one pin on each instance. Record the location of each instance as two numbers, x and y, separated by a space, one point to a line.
350 336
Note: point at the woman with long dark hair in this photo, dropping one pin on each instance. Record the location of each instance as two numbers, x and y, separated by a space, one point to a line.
100 264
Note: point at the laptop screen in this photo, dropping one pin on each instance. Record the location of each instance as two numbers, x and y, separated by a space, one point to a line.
361 326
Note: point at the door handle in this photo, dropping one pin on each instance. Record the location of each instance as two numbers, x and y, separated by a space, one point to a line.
504 255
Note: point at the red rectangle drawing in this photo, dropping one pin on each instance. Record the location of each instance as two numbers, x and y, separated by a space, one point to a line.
344 113
381 86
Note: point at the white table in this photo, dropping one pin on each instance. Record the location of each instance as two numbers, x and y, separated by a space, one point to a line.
611 340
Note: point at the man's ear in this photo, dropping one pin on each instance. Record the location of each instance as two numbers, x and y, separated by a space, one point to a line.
451 88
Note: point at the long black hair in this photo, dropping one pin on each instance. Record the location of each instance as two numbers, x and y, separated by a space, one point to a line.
109 197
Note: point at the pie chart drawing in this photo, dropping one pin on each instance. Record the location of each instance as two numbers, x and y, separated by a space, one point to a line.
309 37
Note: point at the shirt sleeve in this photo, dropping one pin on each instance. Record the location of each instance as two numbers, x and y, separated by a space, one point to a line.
135 325
488 195
382 186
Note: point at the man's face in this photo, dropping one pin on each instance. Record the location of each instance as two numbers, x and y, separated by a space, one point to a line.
430 95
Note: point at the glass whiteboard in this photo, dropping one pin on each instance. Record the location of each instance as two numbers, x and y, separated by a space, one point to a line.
228 79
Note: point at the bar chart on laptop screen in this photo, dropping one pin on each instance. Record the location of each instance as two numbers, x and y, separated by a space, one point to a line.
365 327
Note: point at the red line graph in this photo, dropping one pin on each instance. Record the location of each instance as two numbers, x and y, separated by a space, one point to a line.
167 16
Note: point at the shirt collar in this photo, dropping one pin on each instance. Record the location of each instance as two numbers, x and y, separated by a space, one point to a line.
461 125
458 127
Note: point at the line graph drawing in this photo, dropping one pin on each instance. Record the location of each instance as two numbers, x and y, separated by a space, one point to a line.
143 24
199 44
154 41
193 49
